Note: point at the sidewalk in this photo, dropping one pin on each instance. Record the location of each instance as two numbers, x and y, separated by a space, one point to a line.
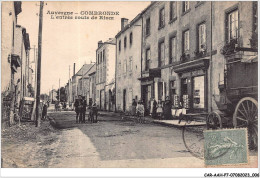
171 123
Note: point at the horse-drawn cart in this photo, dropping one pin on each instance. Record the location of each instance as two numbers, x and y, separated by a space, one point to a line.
237 102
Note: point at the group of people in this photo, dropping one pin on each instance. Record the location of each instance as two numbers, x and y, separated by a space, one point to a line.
80 106
158 109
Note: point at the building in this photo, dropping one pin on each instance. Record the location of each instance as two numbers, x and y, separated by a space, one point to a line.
128 63
182 44
77 84
53 96
15 60
85 82
105 70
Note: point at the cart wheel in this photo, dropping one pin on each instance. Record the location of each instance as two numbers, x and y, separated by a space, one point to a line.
245 115
214 121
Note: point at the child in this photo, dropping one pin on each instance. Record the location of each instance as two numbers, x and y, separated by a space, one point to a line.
140 112
159 109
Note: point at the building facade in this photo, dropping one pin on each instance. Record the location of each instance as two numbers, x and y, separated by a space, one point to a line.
128 63
15 60
182 44
105 70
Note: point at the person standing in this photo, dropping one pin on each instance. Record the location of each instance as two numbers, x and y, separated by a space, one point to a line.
76 107
167 109
44 111
154 108
83 110
134 104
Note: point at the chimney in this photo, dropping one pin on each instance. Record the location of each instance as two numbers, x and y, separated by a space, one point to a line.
124 22
100 43
74 69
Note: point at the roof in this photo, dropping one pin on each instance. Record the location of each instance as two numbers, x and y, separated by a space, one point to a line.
92 70
83 69
111 41
135 19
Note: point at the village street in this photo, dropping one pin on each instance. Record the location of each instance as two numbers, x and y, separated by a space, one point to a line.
112 142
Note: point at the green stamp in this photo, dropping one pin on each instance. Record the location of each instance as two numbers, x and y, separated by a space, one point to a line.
225 147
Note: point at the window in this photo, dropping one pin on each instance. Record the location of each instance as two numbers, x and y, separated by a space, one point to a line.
173 96
173 10
101 74
161 18
130 63
125 41
161 54
98 59
202 37
232 25
172 50
147 59
147 27
186 42
103 55
119 45
186 6
131 38
160 90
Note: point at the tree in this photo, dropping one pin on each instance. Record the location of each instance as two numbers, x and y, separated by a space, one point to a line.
63 97
44 97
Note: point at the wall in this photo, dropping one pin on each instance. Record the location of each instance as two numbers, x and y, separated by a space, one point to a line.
129 80
7 29
245 32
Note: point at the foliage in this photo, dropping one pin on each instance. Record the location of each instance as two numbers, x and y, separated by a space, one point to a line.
184 57
229 48
30 89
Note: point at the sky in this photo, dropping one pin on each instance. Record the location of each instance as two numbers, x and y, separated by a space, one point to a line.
68 41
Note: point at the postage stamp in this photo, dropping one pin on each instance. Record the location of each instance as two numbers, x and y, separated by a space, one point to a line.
225 147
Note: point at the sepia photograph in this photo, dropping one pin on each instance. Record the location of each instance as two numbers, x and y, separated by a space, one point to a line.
120 84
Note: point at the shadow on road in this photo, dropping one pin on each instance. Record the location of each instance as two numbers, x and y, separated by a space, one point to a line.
117 139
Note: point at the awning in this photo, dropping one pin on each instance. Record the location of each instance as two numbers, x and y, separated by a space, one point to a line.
191 65
249 59
151 74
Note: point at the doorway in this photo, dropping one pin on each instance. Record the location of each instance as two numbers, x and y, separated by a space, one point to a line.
124 100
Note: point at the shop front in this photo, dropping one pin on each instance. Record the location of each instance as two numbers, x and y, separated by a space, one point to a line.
149 81
193 85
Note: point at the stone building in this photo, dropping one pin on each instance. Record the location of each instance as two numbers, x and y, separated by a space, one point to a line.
105 70
85 82
128 63
77 82
181 49
15 60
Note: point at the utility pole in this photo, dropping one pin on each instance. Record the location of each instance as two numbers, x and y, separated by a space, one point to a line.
69 88
38 92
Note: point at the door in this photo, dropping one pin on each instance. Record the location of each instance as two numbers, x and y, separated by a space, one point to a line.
198 92
124 100
185 97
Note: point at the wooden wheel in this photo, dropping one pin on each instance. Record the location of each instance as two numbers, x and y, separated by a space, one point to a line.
246 115
214 121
